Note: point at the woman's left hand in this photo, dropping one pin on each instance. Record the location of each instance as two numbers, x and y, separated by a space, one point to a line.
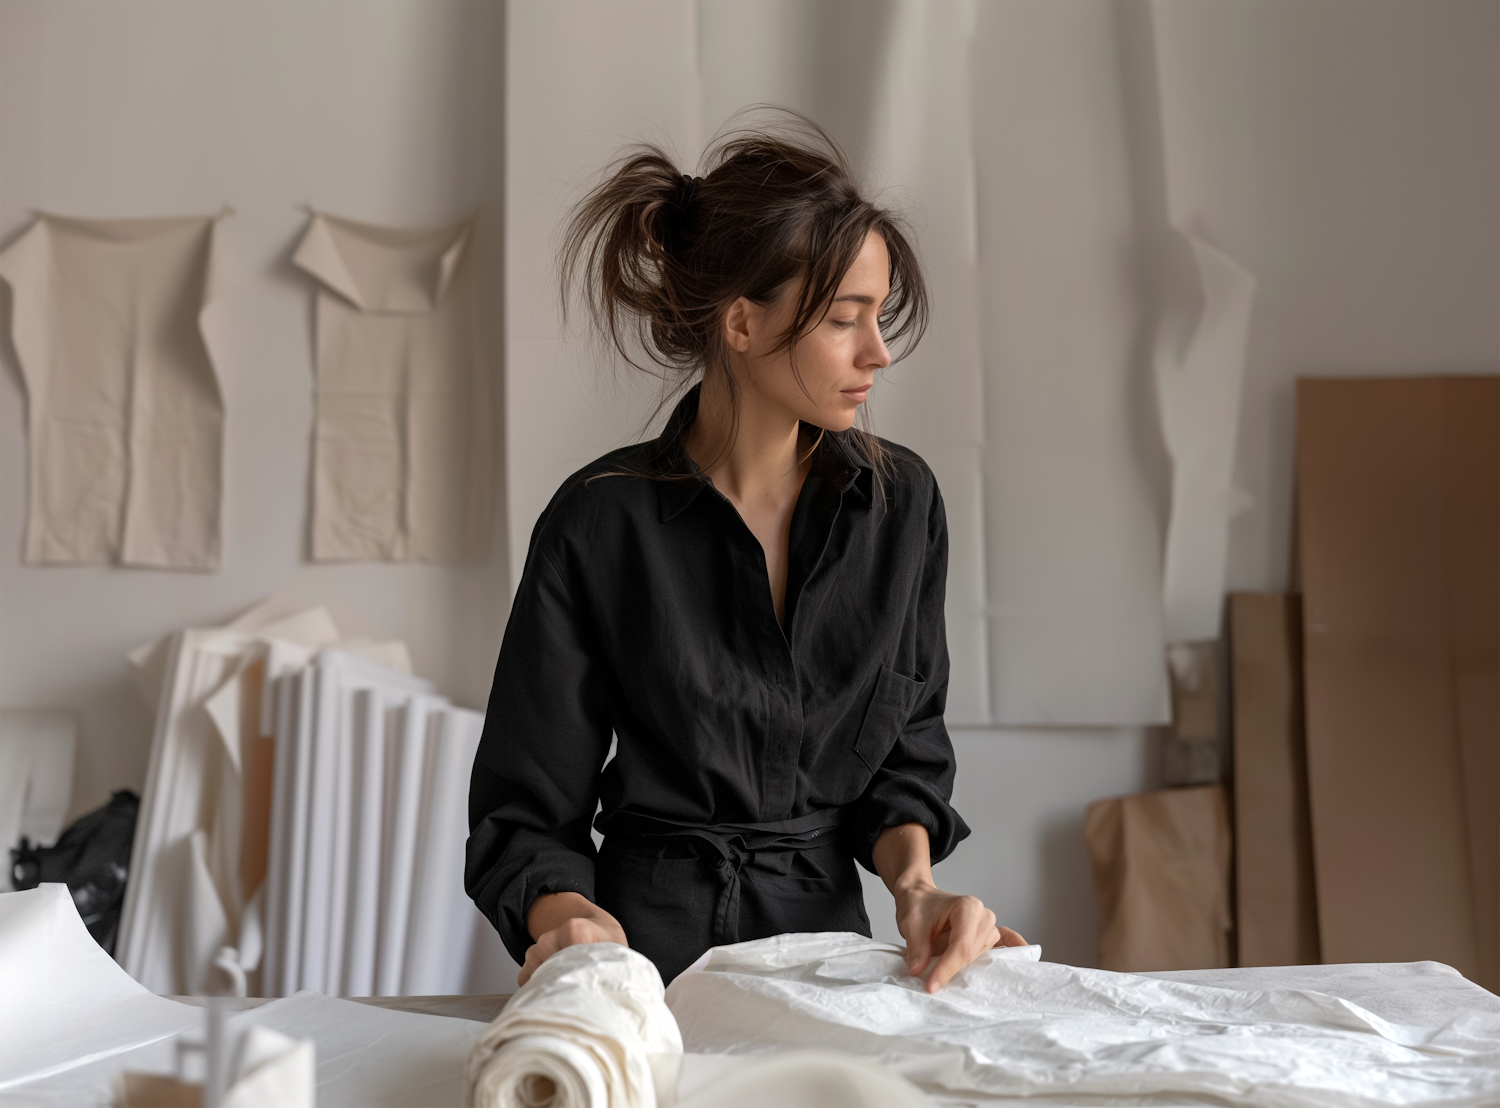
953 929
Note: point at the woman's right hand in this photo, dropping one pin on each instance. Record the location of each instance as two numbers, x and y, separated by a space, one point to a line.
557 920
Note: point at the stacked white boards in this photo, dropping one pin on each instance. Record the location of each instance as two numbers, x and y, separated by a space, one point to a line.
365 889
303 820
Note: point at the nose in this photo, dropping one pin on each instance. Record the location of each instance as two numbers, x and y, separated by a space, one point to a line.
873 352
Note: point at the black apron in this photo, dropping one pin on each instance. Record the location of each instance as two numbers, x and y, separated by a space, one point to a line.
678 889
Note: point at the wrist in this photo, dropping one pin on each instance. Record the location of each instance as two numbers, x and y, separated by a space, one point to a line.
914 882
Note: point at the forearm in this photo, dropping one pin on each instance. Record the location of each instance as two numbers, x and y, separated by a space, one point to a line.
903 858
551 910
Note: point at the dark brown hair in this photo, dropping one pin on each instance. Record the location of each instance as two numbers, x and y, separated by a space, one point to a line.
657 256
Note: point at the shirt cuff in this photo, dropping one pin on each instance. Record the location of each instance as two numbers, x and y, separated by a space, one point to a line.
527 871
894 799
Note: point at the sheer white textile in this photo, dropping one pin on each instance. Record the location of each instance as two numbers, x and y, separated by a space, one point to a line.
1011 1026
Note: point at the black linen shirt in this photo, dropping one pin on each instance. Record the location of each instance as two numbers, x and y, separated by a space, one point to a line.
645 611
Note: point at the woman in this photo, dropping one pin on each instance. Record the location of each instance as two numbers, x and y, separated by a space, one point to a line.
752 603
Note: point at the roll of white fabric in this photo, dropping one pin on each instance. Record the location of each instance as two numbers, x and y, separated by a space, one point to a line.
579 1034
793 1079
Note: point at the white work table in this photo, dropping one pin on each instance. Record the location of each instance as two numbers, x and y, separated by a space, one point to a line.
1421 993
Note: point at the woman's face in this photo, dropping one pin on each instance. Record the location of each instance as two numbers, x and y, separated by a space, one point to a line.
836 360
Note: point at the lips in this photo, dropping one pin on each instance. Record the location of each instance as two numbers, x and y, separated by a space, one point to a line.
857 395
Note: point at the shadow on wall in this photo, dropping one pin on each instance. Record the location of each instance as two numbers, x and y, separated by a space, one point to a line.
1069 917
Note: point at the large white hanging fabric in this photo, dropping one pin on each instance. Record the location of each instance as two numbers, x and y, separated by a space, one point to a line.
998 128
403 466
1198 392
124 411
1011 1026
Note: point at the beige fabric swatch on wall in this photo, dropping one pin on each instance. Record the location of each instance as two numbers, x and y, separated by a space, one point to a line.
124 410
403 467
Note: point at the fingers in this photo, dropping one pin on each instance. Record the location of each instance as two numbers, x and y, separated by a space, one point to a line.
918 951
571 932
971 931
1011 938
536 954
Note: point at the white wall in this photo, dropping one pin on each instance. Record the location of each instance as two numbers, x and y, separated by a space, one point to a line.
387 111
1348 153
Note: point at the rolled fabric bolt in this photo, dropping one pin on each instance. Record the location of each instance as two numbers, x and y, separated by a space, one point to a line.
579 1034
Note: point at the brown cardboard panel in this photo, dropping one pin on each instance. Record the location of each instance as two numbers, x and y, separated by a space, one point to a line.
1471 458
1161 875
1276 910
1385 773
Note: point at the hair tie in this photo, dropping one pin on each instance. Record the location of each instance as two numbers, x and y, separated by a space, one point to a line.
679 214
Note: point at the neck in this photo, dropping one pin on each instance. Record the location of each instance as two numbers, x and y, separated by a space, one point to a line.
758 458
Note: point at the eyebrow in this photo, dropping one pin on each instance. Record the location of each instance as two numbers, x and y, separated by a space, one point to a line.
856 297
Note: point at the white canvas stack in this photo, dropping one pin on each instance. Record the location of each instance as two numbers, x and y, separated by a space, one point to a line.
304 817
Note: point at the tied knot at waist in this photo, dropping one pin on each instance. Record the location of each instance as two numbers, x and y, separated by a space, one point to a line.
729 847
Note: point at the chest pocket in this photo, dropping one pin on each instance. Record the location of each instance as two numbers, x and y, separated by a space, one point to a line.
895 697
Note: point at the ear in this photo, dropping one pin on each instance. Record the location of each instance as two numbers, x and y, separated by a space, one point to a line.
740 322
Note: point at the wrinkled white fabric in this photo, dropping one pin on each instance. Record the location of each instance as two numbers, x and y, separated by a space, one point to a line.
1010 1027
124 411
404 442
586 1023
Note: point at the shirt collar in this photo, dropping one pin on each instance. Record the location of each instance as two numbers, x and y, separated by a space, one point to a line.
835 460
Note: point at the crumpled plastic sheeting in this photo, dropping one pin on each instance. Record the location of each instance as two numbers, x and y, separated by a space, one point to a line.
586 1022
1011 1026
63 1001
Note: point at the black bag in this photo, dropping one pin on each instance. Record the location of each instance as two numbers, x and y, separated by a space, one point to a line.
92 857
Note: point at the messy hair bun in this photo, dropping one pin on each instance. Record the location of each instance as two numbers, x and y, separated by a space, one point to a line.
657 256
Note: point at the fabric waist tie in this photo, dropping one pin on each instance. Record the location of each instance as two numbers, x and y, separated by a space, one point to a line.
728 847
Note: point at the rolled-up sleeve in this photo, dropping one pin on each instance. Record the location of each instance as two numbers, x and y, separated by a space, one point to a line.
914 784
536 777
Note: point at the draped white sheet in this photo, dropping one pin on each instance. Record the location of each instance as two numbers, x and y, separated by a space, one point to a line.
998 128
125 417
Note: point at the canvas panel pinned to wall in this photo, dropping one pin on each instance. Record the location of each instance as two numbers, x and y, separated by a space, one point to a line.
404 439
125 414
